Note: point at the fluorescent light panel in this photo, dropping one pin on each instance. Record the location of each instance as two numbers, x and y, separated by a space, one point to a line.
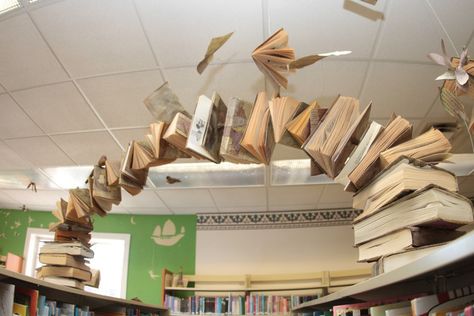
8 5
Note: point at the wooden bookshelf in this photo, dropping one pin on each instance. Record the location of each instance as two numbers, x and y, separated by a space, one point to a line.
65 294
448 268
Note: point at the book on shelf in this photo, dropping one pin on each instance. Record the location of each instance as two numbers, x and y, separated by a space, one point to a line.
7 294
131 180
63 271
363 308
429 146
20 309
63 259
358 153
237 117
401 177
421 306
397 131
452 307
177 134
70 248
164 104
428 207
402 311
322 144
65 281
259 138
95 279
273 57
405 239
299 127
14 262
205 133
27 297
380 310
282 110
72 235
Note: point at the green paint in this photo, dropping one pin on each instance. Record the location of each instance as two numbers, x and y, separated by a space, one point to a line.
144 256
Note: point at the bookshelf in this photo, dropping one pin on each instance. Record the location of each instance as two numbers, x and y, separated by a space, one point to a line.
74 296
448 268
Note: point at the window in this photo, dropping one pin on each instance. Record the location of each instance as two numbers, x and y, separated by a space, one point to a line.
111 258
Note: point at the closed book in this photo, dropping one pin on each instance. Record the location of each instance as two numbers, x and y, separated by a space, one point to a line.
65 282
428 207
72 248
7 294
207 126
380 310
66 272
20 309
404 239
421 306
402 177
403 311
177 134
14 263
237 117
454 306
28 297
61 259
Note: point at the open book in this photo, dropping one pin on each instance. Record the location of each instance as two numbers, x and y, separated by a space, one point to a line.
397 131
103 194
258 137
113 171
238 114
299 126
131 180
71 220
177 134
429 146
206 129
322 144
273 57
403 176
428 207
164 104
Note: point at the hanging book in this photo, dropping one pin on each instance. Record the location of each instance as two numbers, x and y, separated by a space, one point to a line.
273 58
214 45
177 134
299 127
163 152
104 195
207 126
322 144
163 104
397 131
131 180
113 172
258 137
238 114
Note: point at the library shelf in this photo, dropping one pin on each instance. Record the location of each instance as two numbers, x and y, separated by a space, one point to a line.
449 268
74 296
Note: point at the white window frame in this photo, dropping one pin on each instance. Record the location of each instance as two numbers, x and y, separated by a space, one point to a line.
34 235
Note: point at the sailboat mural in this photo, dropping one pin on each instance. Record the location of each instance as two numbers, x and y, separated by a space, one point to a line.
167 236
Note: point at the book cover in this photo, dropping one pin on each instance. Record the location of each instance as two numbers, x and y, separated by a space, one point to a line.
7 293
163 104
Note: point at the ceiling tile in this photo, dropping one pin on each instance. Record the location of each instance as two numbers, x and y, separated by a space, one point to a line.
193 210
119 99
419 22
229 80
58 108
40 200
456 18
406 89
14 122
283 152
146 199
95 37
294 195
125 136
69 177
11 160
40 151
86 148
186 198
253 208
334 193
29 61
149 211
234 197
317 27
176 41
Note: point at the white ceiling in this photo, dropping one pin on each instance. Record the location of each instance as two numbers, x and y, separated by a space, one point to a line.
73 74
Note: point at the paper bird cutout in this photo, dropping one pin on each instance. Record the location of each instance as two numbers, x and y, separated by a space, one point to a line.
214 45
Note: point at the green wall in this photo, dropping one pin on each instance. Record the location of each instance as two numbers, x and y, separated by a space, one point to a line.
146 257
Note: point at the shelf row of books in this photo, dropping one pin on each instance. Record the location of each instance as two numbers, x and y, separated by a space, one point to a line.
253 304
453 303
20 301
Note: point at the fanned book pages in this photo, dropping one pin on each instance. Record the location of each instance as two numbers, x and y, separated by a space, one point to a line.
322 144
397 131
69 221
404 239
79 204
258 137
237 118
72 248
299 126
163 151
403 176
72 235
316 117
429 146
359 153
206 129
113 172
427 207
351 139
163 104
273 58
103 194
177 134
131 180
